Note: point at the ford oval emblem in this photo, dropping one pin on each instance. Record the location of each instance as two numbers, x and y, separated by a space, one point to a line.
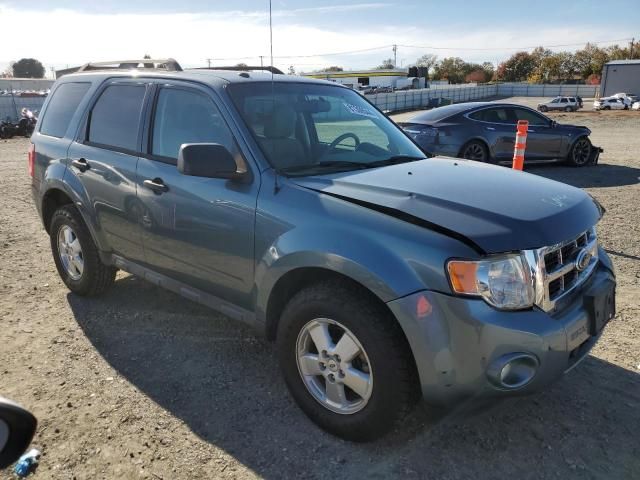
583 259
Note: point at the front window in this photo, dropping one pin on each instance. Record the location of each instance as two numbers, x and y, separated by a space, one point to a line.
306 128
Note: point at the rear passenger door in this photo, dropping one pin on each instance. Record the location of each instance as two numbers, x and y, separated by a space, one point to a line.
104 158
198 231
498 128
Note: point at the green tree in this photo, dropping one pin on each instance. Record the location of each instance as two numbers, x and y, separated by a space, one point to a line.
28 68
334 68
517 68
453 69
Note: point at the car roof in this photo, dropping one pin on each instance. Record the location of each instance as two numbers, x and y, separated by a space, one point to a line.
448 111
208 76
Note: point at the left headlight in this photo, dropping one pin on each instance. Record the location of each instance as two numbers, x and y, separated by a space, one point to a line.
502 281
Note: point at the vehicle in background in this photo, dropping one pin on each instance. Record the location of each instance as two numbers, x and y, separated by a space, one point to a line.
566 104
627 98
610 103
486 132
635 106
297 207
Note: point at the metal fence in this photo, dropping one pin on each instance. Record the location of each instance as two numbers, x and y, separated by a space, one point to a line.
410 99
10 107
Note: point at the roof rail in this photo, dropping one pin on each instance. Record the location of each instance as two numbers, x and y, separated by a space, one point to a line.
243 68
168 64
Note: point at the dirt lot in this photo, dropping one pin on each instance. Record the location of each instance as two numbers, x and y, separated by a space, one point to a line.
143 384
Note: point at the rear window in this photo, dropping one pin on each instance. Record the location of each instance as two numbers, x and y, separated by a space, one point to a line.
492 115
62 106
115 118
439 113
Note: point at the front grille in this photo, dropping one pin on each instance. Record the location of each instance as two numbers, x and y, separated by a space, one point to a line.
560 270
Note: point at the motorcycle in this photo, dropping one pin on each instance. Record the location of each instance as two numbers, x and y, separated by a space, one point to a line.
27 123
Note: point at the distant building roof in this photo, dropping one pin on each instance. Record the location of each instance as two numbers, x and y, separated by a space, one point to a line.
396 72
624 62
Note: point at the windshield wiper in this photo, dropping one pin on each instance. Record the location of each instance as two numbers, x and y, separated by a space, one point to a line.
321 166
395 160
349 165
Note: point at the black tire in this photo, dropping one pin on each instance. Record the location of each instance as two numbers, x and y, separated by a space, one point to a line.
96 277
395 387
543 108
568 109
475 150
580 153
607 108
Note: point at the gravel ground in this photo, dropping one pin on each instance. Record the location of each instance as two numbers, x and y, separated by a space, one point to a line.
144 384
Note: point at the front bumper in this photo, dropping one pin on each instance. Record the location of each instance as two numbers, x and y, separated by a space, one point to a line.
458 341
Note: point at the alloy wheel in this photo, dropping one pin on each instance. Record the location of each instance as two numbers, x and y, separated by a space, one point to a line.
334 366
474 151
581 151
70 252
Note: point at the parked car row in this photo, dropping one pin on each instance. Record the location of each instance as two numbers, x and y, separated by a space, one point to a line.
24 93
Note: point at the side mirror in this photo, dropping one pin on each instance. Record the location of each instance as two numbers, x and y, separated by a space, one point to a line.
17 427
210 160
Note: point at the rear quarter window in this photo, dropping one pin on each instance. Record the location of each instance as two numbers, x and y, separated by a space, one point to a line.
63 104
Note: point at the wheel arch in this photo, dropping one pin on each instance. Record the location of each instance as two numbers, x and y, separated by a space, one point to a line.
53 199
300 278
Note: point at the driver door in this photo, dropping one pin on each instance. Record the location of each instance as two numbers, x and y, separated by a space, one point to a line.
544 140
199 231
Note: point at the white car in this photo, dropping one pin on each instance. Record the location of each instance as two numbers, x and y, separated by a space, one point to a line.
627 98
610 103
635 106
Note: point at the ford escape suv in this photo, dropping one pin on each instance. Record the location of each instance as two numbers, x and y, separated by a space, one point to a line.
297 207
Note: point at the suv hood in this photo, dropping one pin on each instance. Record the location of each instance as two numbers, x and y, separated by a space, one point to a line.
493 209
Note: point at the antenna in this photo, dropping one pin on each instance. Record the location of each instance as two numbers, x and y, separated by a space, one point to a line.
271 37
276 183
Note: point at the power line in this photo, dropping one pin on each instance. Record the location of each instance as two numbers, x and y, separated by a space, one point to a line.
429 47
421 47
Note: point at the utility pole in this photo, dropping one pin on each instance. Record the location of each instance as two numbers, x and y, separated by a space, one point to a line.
395 55
209 62
631 48
261 61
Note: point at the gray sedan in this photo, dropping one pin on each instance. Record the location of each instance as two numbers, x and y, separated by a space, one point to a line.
486 132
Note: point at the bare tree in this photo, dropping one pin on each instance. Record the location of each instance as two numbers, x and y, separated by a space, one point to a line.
429 61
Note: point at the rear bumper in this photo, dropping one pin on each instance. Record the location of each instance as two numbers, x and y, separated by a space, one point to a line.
459 342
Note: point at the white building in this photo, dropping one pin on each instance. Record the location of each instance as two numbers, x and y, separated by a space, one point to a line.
394 78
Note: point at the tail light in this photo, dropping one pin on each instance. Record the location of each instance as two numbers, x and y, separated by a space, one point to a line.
32 159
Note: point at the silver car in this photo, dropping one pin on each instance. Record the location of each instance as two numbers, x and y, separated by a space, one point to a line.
567 104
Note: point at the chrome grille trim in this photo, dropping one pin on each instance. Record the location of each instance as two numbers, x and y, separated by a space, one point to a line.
563 276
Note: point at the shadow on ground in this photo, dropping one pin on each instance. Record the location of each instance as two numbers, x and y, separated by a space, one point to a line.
224 383
594 176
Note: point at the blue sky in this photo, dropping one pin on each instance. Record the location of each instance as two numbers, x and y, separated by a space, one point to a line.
73 31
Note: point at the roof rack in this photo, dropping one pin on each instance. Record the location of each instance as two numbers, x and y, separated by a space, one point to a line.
168 64
243 68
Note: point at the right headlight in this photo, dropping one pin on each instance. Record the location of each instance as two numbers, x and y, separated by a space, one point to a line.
502 281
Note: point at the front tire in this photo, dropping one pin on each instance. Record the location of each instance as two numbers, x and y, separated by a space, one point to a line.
568 109
543 108
76 255
346 361
580 153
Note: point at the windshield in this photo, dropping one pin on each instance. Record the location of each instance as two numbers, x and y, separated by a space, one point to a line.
306 128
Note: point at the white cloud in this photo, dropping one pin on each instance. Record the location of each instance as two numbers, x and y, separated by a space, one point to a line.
64 37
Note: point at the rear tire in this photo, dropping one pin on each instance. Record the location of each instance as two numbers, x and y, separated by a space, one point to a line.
568 109
580 154
475 150
76 255
386 386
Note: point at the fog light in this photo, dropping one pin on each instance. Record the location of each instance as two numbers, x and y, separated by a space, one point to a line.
513 370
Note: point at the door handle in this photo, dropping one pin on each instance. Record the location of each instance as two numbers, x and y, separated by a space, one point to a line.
157 185
489 128
81 164
531 131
